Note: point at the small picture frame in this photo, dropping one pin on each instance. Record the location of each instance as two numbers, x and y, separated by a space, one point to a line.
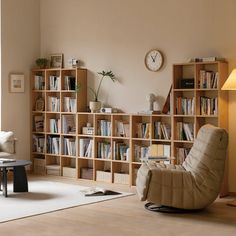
39 104
17 83
56 60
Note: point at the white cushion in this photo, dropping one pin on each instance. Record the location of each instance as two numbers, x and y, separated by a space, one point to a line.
7 142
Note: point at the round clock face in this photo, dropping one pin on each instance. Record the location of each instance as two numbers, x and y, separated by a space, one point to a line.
154 60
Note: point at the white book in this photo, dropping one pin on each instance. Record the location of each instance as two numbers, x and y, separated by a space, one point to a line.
166 150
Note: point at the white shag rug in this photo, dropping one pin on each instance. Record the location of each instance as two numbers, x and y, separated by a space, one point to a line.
45 196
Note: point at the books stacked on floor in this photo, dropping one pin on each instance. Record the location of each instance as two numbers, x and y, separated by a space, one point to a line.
54 82
53 169
55 125
122 129
53 144
39 123
185 106
53 104
162 130
69 104
38 82
120 151
208 106
208 79
69 146
104 128
143 130
140 152
85 147
181 154
104 150
185 131
69 82
68 124
38 143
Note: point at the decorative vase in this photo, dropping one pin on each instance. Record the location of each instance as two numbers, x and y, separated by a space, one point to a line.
95 106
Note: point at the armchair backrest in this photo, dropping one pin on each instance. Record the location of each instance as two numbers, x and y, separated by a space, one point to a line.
206 159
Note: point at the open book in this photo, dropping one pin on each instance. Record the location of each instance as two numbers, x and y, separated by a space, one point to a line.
6 160
98 191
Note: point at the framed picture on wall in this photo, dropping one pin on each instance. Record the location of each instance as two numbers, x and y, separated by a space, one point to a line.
17 83
56 60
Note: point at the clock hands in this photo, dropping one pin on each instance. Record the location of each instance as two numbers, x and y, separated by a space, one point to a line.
154 57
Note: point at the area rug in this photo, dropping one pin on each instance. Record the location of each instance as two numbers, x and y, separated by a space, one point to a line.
46 196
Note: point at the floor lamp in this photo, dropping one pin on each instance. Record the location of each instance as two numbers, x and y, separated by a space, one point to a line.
230 84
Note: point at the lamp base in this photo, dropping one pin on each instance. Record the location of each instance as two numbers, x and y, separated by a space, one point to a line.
231 203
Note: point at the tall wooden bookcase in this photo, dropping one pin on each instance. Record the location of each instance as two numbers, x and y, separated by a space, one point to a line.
209 102
105 135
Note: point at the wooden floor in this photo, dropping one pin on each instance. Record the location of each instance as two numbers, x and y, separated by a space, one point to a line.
124 217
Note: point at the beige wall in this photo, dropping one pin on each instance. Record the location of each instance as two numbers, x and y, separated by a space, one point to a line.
20 47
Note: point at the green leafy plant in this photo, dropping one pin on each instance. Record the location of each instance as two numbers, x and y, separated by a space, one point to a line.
42 62
108 74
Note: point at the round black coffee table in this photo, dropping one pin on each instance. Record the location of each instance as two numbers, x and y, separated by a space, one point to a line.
20 182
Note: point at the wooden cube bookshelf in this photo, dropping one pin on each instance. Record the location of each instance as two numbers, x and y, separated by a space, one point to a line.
108 147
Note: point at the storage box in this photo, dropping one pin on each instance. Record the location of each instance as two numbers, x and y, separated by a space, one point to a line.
53 170
104 176
39 166
69 172
121 178
86 173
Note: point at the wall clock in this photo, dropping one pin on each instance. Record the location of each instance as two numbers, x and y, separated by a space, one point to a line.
154 60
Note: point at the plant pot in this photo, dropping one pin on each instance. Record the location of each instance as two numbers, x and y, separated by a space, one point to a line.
95 106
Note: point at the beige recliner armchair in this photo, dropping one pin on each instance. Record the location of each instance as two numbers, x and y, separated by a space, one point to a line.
193 185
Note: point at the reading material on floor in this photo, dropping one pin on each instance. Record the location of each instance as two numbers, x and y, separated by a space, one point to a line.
6 160
98 191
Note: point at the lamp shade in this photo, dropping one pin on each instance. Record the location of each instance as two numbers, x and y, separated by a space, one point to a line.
230 83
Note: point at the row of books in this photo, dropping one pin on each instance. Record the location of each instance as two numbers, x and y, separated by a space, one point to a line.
38 143
184 131
142 152
181 154
208 79
55 125
38 82
162 130
54 82
143 130
69 104
68 124
185 106
69 82
53 104
122 128
69 146
85 147
120 151
104 128
104 150
208 106
53 145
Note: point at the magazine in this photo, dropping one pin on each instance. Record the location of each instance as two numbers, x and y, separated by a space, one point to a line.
6 160
98 191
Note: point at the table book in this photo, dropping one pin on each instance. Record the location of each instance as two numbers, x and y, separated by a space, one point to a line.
98 191
6 160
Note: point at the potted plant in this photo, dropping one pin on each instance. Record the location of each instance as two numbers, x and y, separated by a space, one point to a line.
95 105
42 63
